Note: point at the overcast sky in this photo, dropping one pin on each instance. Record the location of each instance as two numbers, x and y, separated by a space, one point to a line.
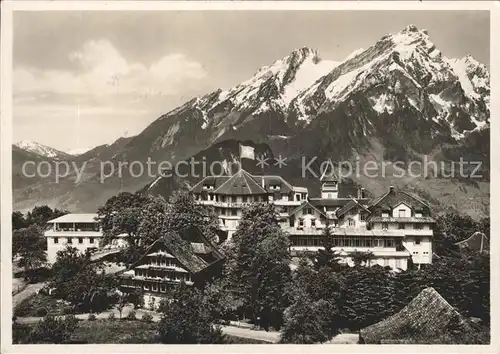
83 79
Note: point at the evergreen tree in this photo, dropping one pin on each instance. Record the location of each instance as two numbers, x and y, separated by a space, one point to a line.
258 265
326 256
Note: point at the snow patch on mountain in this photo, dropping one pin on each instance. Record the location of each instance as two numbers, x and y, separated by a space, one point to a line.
308 73
40 149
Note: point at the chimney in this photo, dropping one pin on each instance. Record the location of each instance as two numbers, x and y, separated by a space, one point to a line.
391 189
263 183
359 193
362 192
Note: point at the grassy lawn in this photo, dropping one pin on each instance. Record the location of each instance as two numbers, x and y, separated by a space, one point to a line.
116 332
35 305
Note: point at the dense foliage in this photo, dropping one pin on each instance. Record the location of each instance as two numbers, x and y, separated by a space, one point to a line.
186 320
258 267
29 245
82 282
50 329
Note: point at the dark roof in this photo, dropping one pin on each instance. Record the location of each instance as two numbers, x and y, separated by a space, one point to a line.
285 187
215 181
304 204
395 197
241 183
353 203
426 315
184 251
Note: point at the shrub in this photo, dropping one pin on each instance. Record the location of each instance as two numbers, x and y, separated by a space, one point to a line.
147 318
23 309
131 316
41 312
92 317
68 310
111 316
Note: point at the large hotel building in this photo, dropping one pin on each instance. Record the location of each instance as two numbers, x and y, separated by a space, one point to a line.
396 227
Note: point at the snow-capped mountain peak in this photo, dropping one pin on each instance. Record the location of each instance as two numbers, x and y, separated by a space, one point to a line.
40 149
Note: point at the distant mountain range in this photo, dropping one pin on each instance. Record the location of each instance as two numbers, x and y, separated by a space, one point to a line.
400 99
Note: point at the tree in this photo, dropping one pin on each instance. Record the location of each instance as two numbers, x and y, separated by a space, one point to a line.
18 220
54 329
121 214
185 320
41 214
362 258
368 296
121 303
326 256
303 322
81 281
29 244
182 211
258 265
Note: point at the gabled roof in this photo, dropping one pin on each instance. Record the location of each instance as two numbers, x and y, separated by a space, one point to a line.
273 181
241 183
87 218
215 181
337 202
396 197
353 203
184 251
427 315
303 205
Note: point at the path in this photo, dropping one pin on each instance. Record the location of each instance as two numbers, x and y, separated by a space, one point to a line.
29 290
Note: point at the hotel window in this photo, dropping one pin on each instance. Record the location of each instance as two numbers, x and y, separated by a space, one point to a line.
309 211
418 226
415 252
80 240
402 213
352 222
233 199
91 239
146 286
154 287
313 222
56 240
70 240
301 222
417 241
401 226
385 226
244 199
379 243
389 243
163 288
398 263
362 216
303 196
256 198
234 212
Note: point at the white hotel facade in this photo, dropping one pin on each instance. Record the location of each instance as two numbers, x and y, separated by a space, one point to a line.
395 228
81 231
